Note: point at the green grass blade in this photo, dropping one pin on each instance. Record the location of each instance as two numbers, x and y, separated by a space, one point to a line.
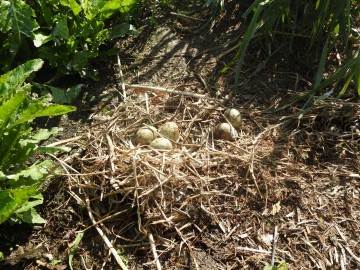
251 30
253 27
74 247
251 8
338 75
320 71
321 68
346 85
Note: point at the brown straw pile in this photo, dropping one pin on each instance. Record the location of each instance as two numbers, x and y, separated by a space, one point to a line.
215 204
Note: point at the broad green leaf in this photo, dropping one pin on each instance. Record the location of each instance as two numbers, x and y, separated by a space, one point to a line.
10 151
35 173
108 8
8 205
61 29
12 80
59 95
39 109
65 96
16 17
40 39
81 60
73 92
44 134
126 5
91 8
121 30
102 36
75 7
31 216
12 199
10 107
36 200
74 247
19 182
47 53
46 11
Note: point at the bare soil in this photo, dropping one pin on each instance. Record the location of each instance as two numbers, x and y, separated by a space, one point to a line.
208 203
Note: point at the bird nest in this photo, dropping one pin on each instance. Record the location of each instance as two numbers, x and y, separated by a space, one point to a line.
207 202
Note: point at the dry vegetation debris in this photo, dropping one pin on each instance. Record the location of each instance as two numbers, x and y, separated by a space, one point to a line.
214 204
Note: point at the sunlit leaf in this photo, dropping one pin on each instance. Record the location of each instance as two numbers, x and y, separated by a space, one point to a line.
16 19
112 6
12 199
39 109
40 39
75 7
44 134
31 216
12 80
19 181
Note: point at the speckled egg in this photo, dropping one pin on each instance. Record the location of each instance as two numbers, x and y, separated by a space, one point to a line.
225 131
234 117
170 130
145 135
161 144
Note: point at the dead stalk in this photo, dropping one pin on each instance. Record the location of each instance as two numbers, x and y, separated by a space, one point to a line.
153 249
169 91
275 236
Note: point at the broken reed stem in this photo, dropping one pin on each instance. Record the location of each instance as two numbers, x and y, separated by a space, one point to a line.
170 91
253 250
122 84
103 236
65 141
153 249
274 245
192 255
191 252
186 17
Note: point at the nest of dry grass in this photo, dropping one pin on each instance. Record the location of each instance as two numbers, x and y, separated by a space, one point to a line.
213 204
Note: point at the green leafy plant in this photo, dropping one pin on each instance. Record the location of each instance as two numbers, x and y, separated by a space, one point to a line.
323 25
282 265
66 33
21 179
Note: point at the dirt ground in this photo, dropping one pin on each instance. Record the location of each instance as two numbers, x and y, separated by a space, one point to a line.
208 203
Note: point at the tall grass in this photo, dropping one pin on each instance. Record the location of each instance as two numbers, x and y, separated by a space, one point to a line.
323 25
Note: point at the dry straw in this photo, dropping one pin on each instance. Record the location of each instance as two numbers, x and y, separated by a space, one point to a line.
213 195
